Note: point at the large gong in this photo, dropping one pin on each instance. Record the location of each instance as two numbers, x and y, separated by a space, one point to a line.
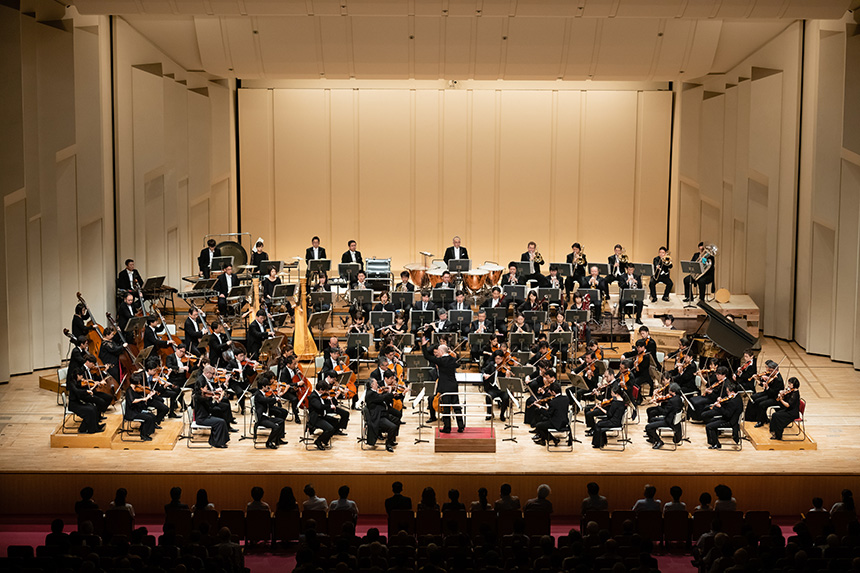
235 250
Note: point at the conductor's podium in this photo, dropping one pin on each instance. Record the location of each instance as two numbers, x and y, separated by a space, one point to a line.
471 440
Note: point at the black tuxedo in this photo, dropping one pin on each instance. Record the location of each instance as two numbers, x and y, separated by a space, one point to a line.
203 261
124 313
459 306
622 269
309 253
447 371
625 283
192 336
221 284
613 419
662 277
670 408
555 417
319 417
265 409
490 374
347 258
703 281
421 305
783 416
218 343
449 254
761 401
727 414
150 338
377 419
536 275
79 326
123 282
578 273
257 334
207 413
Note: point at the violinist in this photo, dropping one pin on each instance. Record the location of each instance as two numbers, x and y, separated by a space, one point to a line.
604 392
137 402
537 388
82 404
150 333
588 371
576 258
671 405
662 265
491 373
641 365
712 391
772 384
612 416
215 397
726 412
378 403
110 351
659 398
287 371
179 364
685 375
194 329
595 349
332 404
555 416
744 375
208 409
265 401
540 351
480 326
650 344
129 308
320 416
787 409
632 281
382 366
79 321
159 386
258 332
241 372
98 397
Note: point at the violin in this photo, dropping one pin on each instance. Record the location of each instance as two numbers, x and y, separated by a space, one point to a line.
743 367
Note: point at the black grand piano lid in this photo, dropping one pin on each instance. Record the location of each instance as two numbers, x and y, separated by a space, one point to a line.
725 333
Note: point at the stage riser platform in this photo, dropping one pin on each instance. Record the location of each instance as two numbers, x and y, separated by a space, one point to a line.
51 493
473 440
761 440
74 440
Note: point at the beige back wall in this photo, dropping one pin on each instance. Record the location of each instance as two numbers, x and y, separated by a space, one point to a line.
404 170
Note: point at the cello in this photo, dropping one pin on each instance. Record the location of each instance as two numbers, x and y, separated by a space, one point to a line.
97 334
303 386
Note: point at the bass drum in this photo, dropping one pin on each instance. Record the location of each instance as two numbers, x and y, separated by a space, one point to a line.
235 250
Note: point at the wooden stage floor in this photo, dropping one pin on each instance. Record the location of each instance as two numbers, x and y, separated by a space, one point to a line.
28 415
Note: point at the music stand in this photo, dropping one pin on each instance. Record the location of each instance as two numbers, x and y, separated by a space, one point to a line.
511 386
204 343
319 266
692 268
266 266
514 292
498 316
459 317
218 263
522 372
551 294
381 318
415 361
421 390
134 324
578 316
283 291
359 340
363 296
577 381
523 268
348 271
402 300
442 297
272 346
421 375
322 298
563 338
459 265
480 340
153 283
453 337
602 268
534 317
642 269
317 320
631 296
204 284
420 318
564 269
521 339
403 340
142 356
239 291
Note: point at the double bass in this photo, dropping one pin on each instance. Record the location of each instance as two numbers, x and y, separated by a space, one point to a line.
127 358
97 334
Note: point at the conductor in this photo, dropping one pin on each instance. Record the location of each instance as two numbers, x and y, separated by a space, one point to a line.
446 365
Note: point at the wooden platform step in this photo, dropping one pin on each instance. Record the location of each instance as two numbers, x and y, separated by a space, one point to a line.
163 439
761 440
75 440
49 382
472 440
